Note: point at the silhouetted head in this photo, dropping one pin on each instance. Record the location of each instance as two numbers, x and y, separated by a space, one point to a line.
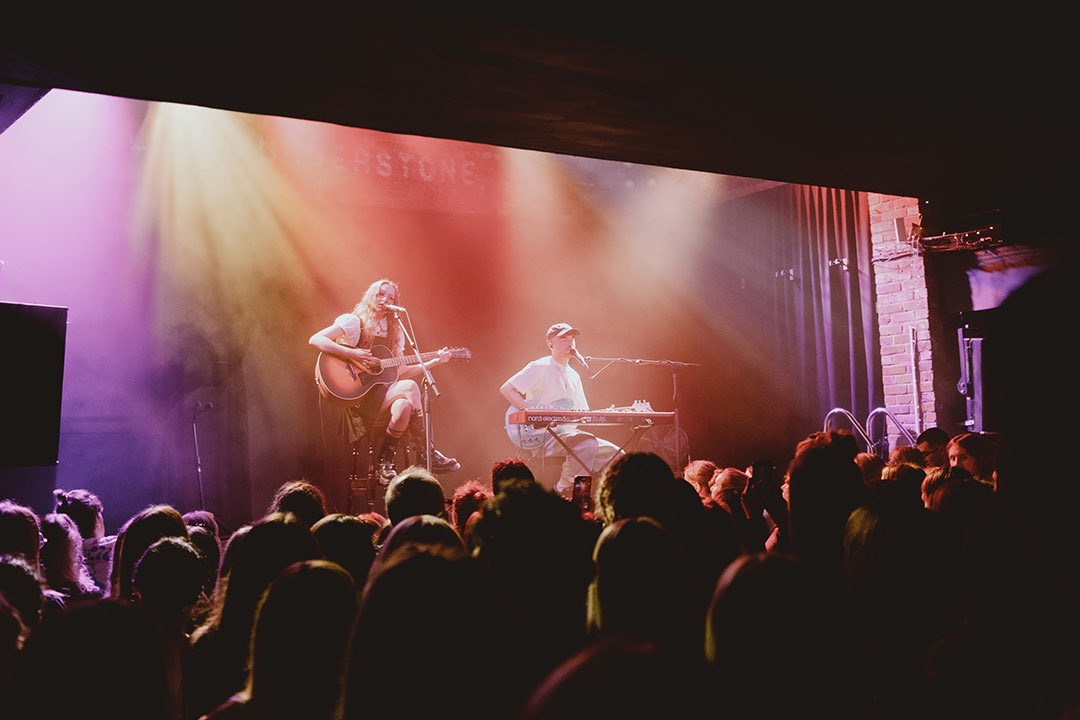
20 532
349 541
467 499
699 473
303 499
414 491
140 532
84 507
931 443
509 469
637 483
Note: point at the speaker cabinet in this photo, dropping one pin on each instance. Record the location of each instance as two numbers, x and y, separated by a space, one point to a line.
31 383
978 371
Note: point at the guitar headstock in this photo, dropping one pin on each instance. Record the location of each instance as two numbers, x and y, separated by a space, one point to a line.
460 353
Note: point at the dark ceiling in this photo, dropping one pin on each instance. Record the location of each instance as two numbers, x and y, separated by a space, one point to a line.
972 114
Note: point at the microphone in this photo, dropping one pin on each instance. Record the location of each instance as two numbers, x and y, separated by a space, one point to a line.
202 407
581 359
394 308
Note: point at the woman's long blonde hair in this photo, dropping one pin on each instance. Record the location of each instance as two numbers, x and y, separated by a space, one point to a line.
365 310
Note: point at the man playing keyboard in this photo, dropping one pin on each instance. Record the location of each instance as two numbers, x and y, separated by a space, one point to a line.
551 381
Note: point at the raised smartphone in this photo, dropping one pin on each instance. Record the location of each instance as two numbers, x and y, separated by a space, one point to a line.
582 495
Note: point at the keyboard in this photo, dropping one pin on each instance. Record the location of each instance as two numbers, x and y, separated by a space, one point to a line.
547 416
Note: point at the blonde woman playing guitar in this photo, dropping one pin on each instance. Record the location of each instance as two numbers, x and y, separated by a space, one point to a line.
352 338
550 381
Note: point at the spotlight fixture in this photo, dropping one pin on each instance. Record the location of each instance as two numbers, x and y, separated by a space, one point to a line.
977 239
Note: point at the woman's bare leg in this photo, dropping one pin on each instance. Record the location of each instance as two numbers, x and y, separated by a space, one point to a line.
402 397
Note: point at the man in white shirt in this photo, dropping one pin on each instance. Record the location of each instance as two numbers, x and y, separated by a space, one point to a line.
550 381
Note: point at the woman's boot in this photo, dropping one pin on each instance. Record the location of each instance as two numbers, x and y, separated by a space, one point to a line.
440 464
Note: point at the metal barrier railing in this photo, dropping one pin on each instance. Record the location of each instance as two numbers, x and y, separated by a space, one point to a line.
863 431
855 426
903 430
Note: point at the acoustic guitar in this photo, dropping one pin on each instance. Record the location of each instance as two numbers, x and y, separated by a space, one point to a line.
349 380
528 437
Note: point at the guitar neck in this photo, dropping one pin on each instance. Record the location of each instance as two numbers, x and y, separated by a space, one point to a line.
409 359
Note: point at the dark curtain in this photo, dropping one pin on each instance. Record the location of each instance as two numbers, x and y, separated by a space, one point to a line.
826 309
791 276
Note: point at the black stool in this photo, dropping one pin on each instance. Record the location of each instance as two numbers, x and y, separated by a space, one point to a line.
366 487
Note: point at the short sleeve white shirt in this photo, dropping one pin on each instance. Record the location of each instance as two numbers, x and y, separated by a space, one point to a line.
350 323
545 381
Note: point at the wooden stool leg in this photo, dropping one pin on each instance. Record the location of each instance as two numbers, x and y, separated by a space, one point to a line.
354 478
372 473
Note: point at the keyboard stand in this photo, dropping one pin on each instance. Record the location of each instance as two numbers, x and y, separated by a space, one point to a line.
638 431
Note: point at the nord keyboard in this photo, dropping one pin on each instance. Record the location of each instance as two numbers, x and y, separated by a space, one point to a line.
540 416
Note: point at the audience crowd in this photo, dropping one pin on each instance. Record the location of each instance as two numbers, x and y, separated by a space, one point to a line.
846 586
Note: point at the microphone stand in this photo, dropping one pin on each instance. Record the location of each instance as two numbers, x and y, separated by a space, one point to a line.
429 382
200 408
674 366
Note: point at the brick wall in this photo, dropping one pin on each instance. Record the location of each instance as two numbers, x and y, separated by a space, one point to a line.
903 315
